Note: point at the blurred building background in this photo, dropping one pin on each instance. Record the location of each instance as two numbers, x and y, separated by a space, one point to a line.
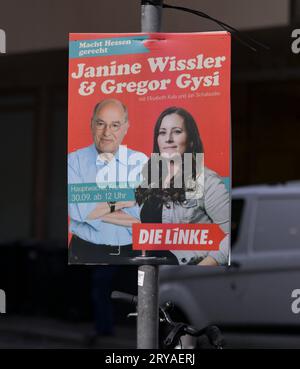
33 140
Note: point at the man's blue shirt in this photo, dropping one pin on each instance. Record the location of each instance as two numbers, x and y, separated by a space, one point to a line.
83 167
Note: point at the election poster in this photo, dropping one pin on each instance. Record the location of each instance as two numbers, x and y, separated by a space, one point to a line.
149 148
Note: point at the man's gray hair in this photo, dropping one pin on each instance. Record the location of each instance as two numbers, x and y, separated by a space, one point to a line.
105 102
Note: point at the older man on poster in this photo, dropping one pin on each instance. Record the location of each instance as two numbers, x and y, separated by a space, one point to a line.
95 238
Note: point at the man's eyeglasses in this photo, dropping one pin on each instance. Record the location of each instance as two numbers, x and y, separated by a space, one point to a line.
100 125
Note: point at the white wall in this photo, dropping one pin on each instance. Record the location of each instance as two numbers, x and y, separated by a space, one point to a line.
44 24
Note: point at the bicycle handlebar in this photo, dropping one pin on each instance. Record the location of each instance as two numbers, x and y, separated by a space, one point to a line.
212 332
125 297
214 335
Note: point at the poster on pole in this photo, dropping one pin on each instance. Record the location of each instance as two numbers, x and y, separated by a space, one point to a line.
149 148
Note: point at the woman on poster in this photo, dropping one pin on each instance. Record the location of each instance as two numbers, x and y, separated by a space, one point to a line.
204 199
202 196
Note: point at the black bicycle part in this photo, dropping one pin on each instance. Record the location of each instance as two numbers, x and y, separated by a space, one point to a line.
170 332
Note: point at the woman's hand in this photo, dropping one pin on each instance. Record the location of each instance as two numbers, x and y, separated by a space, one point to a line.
208 261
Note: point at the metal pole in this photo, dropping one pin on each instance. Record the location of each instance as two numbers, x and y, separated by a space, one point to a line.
147 321
151 15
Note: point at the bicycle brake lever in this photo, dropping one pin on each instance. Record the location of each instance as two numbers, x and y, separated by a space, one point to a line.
215 337
130 315
174 332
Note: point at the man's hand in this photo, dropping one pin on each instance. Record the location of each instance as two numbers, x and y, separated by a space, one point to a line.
120 218
124 204
103 208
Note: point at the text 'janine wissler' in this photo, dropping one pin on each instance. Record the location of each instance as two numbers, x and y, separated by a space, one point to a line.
155 65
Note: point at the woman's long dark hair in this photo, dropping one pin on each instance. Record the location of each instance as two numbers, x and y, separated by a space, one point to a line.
194 146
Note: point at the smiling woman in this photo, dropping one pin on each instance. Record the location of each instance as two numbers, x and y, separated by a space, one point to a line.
202 196
172 135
